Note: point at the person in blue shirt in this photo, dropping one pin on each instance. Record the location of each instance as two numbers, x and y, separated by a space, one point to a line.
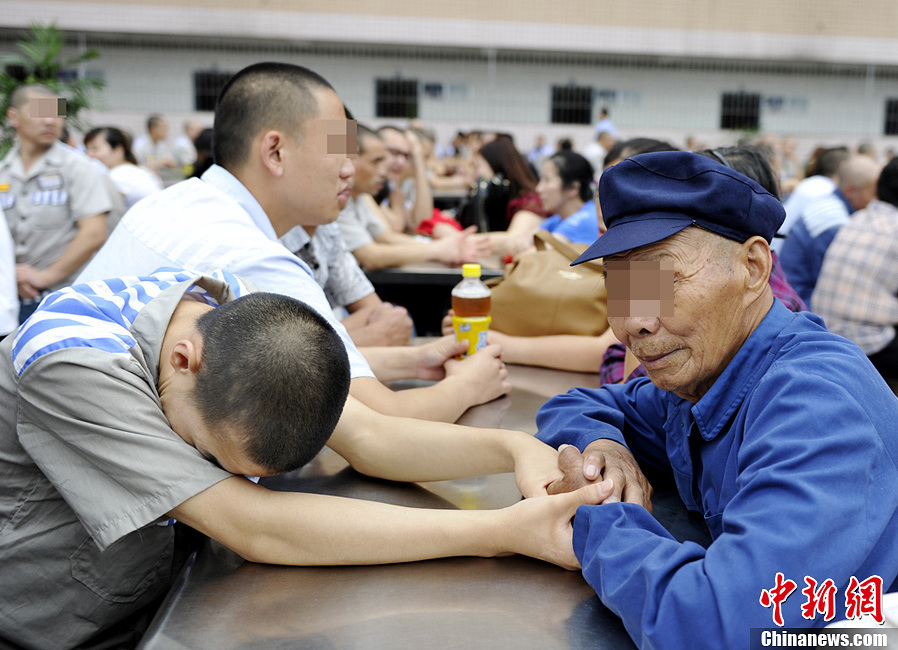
781 434
813 232
566 189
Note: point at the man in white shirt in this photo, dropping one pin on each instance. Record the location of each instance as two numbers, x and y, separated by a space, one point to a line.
268 180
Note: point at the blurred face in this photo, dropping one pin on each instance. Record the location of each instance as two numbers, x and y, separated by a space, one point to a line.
371 167
427 146
399 154
99 149
482 168
687 351
318 170
32 123
160 131
789 146
552 195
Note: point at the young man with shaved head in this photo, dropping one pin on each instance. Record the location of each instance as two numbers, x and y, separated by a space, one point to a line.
131 403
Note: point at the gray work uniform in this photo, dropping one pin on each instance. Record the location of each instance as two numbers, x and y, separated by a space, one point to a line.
43 206
89 465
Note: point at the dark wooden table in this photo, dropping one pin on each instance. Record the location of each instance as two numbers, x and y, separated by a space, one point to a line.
223 603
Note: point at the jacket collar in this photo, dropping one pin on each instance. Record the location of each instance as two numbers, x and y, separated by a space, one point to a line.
716 407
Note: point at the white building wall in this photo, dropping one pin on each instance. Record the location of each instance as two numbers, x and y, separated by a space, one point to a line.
517 94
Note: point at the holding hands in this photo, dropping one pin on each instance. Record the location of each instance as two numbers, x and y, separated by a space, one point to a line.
541 527
603 459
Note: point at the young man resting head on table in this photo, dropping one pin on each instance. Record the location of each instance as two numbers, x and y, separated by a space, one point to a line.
129 404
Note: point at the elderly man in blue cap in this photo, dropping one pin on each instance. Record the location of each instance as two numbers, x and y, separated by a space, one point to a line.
780 433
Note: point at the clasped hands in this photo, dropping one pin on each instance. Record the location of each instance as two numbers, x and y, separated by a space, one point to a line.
603 459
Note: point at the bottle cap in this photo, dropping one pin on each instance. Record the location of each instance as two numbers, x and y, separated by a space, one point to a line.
470 271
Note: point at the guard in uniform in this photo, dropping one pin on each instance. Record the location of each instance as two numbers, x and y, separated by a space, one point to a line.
54 199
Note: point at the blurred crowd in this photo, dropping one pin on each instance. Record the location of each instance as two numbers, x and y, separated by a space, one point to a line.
412 198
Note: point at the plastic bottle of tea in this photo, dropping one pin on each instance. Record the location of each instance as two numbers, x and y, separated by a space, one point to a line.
471 304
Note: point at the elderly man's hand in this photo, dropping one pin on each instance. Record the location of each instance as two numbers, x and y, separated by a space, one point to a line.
603 459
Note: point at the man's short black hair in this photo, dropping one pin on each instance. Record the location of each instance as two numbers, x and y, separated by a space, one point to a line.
275 374
828 161
262 96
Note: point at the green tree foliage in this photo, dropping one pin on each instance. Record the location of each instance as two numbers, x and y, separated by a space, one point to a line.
40 61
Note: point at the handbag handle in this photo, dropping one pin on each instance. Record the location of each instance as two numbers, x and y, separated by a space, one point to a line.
543 237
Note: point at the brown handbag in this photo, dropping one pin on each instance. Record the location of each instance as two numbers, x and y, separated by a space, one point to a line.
542 294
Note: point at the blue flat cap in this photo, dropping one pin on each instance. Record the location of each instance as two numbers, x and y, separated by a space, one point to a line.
652 196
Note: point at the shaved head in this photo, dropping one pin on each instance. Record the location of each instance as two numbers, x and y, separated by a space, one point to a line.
261 97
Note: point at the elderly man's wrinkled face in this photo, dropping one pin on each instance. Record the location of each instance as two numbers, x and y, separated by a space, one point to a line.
684 350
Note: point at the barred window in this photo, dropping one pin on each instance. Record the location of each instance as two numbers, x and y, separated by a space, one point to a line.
891 121
571 104
396 98
207 86
740 111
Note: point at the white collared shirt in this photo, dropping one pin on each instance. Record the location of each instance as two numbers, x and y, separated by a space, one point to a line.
211 223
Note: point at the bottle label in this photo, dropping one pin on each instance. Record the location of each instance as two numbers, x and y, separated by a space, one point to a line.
473 330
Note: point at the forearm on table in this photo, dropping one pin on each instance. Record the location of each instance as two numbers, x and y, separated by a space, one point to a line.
391 363
438 402
405 449
379 255
579 417
563 351
309 529
356 320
